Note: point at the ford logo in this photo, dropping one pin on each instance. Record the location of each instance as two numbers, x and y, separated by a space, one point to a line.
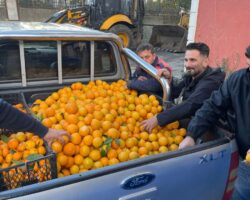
137 181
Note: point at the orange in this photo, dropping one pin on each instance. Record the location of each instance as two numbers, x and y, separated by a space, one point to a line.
123 156
62 159
50 112
66 172
98 164
178 139
41 150
84 150
112 153
56 147
113 133
113 161
97 142
69 149
182 132
173 147
105 161
13 143
17 156
72 128
88 140
143 151
76 138
95 155
74 169
71 108
97 133
78 159
95 124
47 122
71 118
30 144
70 162
133 155
106 125
163 141
163 149
84 131
88 163
20 136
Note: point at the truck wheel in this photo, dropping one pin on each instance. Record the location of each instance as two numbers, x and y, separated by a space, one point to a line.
125 33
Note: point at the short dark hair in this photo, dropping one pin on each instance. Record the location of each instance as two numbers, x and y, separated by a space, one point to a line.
199 46
247 53
145 46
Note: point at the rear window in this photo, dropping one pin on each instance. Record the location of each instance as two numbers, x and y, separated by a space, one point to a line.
41 60
10 64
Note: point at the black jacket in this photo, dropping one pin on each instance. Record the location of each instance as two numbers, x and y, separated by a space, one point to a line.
234 95
195 92
15 120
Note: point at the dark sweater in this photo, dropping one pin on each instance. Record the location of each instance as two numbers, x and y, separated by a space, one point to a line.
196 91
13 119
233 95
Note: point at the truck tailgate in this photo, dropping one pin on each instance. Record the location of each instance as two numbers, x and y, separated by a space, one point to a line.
197 173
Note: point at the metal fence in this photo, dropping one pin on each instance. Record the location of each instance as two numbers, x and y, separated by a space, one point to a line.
2 3
161 7
49 4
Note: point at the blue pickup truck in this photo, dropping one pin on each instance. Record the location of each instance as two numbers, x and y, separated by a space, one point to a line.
38 57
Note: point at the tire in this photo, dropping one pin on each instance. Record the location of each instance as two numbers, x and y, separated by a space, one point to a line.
125 33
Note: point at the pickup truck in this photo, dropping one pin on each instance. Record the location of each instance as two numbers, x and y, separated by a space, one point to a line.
39 58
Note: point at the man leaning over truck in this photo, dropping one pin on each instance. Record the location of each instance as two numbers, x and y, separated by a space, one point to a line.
141 80
195 87
234 95
15 120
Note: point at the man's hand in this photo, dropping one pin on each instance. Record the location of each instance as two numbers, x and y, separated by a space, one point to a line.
142 78
165 73
149 124
53 135
187 142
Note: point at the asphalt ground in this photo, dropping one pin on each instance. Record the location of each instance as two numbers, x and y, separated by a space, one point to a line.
175 60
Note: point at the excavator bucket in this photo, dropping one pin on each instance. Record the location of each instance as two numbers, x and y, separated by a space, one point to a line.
169 37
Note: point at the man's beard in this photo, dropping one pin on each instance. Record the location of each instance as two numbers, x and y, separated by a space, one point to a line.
190 72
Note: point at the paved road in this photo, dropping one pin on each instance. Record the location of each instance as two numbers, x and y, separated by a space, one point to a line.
176 61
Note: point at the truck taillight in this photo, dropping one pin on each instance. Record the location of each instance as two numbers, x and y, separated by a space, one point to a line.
232 175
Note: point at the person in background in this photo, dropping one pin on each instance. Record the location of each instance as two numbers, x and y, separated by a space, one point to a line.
188 94
141 80
234 95
15 120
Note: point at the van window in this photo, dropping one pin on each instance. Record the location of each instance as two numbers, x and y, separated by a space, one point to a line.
105 63
75 59
10 64
41 60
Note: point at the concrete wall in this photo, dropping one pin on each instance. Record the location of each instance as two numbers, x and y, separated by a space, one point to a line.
39 15
224 26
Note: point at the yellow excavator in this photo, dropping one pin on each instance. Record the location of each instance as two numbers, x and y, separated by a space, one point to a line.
171 37
123 18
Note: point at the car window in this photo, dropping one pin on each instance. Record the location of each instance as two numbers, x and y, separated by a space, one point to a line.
41 60
105 63
76 59
10 64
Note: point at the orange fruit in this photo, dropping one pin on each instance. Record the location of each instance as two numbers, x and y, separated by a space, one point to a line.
47 122
123 156
84 131
95 155
69 149
76 138
88 163
71 108
62 159
113 133
97 142
13 143
84 150
56 147
20 136
112 154
78 159
88 140
30 144
41 150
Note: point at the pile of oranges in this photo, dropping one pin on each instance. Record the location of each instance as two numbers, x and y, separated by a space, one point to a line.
104 122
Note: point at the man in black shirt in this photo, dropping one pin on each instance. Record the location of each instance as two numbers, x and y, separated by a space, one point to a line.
196 86
13 119
233 95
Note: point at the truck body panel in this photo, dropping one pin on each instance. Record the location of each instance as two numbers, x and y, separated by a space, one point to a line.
181 174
